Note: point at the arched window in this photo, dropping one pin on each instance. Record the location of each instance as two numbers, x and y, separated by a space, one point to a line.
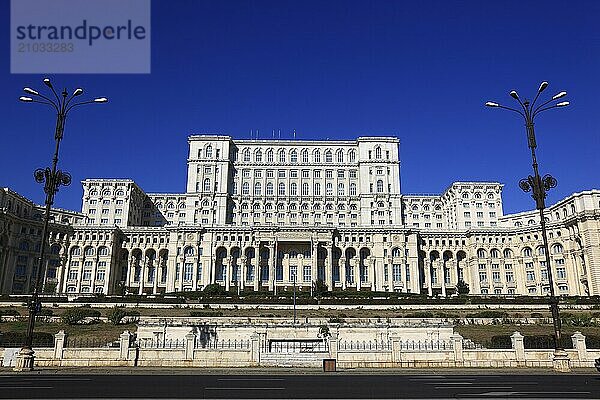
258 156
541 251
106 192
317 191
379 186
317 156
396 252
103 251
120 193
377 152
527 252
531 222
246 154
352 156
55 249
477 195
329 189
293 189
341 189
257 189
269 189
270 156
557 248
480 253
282 156
328 156
305 189
89 251
465 195
269 206
207 185
208 151
246 188
189 251
293 156
305 156
281 189
340 156
353 189
490 196
494 253
76 251
508 253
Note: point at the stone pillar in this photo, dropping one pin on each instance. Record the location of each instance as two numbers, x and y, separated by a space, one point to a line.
256 267
313 261
272 264
333 345
517 344
579 345
124 343
59 344
396 350
560 361
255 349
143 275
24 361
442 264
329 266
243 269
227 263
190 342
343 261
457 346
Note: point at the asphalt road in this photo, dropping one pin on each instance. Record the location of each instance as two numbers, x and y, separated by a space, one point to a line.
336 385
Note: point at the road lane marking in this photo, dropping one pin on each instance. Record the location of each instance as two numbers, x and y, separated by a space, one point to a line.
243 388
250 379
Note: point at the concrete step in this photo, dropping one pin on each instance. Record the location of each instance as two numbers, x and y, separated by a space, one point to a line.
307 360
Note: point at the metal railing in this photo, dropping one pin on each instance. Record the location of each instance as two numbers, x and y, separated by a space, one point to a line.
296 346
425 345
224 344
161 344
364 345
81 343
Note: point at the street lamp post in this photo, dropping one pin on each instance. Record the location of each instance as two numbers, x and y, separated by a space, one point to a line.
539 186
52 178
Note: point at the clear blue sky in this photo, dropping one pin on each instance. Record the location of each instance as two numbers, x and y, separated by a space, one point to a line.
419 70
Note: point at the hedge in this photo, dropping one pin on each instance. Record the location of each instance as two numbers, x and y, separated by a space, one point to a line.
74 316
17 339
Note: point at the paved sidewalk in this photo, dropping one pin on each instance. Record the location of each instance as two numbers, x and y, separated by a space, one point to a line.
297 371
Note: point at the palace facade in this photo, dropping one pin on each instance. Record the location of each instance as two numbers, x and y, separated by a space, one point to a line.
269 214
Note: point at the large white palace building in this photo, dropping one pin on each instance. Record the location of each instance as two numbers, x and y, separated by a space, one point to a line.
265 214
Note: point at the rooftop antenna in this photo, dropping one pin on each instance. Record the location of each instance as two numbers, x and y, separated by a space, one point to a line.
257 133
250 134
294 134
279 133
273 133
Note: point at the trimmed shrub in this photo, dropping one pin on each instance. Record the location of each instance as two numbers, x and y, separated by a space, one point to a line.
488 314
500 342
74 316
116 315
206 313
13 312
17 339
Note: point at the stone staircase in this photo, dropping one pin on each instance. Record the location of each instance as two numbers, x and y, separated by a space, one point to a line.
303 360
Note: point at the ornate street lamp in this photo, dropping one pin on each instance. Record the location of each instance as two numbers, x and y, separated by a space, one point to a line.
539 186
52 178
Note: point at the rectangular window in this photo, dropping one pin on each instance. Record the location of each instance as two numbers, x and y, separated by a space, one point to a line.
306 273
188 271
396 272
482 277
509 276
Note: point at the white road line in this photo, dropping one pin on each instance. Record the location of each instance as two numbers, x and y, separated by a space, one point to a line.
26 387
250 379
243 388
474 387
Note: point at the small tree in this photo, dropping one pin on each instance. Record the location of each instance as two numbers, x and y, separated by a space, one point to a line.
214 289
116 315
320 288
462 288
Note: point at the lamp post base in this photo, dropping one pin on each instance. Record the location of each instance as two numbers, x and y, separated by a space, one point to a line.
560 361
24 361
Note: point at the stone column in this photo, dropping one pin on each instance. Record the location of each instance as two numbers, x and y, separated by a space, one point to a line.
143 275
256 267
329 265
190 341
579 345
272 263
457 346
59 344
429 278
243 269
373 268
227 263
157 275
442 264
124 342
343 261
313 261
517 344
